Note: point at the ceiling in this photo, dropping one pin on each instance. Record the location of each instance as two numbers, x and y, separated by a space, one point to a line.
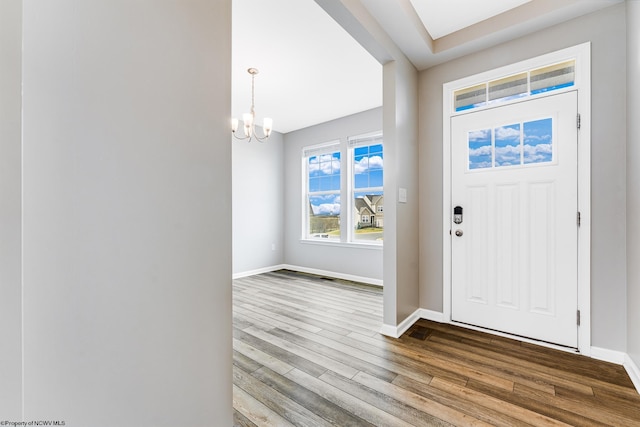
312 70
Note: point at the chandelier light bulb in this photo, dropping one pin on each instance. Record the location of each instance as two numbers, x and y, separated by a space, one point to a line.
267 126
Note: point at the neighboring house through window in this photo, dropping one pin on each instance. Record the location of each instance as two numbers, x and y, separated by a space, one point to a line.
366 153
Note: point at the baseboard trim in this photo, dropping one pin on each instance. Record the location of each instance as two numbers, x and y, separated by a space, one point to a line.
258 271
434 316
318 272
397 331
633 371
607 355
343 276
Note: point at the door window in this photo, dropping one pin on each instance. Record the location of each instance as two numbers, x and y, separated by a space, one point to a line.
516 144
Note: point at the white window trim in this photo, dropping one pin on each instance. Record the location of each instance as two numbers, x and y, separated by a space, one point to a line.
345 147
352 143
309 151
358 244
582 55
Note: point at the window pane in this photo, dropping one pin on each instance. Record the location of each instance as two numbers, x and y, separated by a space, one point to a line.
335 182
361 180
471 97
324 172
507 145
511 87
375 178
538 144
543 79
375 161
367 166
325 183
360 163
314 184
480 149
375 148
359 151
552 77
368 209
324 216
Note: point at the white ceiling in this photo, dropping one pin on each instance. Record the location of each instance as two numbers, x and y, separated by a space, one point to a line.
312 70
462 12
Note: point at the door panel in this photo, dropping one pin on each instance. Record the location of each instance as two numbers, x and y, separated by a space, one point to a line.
514 264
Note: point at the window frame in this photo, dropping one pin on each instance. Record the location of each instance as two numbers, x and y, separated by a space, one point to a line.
354 142
328 148
346 148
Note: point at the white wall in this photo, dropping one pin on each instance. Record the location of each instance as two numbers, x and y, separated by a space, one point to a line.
363 262
606 31
258 204
633 180
127 213
10 210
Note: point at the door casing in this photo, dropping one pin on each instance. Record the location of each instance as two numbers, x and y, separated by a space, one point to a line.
582 55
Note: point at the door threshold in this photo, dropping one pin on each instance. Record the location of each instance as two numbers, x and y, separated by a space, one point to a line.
545 344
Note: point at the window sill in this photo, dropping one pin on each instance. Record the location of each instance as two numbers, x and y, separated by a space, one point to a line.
337 243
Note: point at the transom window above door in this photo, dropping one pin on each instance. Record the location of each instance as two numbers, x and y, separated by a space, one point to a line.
540 80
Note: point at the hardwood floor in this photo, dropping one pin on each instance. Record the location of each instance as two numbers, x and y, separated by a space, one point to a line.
307 352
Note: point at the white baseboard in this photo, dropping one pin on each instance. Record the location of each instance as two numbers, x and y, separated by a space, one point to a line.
633 371
389 331
258 271
607 355
343 276
326 273
397 331
434 316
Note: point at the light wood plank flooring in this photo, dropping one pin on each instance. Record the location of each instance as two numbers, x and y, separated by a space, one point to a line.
307 352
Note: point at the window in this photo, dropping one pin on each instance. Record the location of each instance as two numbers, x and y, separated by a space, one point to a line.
514 144
325 186
323 172
532 82
367 188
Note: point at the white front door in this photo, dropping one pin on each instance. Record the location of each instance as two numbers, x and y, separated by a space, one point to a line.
514 255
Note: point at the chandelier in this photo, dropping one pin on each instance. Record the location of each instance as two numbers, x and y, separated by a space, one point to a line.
248 119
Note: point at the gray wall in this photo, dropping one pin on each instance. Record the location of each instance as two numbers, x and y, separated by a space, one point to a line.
633 180
126 189
606 31
363 262
400 90
258 204
10 210
401 270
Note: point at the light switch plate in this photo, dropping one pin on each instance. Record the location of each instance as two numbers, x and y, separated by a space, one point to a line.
402 195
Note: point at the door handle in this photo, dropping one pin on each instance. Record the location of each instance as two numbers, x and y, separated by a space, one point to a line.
459 233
